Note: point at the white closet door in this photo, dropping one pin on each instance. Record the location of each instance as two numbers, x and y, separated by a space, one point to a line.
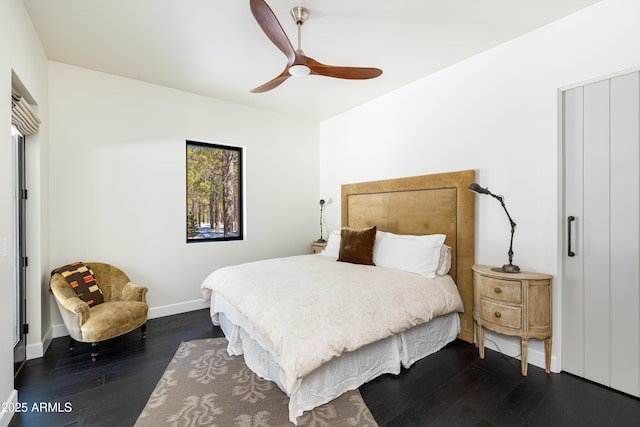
601 286
596 231
625 233
573 309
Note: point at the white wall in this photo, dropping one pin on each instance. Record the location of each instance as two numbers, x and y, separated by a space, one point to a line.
496 113
117 178
22 56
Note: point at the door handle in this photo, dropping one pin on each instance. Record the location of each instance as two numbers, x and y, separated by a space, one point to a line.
570 219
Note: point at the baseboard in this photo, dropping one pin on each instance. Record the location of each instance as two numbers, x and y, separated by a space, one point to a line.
11 402
38 349
181 307
510 346
59 330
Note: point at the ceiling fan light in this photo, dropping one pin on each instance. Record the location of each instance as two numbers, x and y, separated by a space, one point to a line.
299 70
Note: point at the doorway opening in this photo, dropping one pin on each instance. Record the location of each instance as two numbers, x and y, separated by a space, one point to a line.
20 327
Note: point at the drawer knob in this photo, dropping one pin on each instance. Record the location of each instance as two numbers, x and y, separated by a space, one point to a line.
497 314
497 290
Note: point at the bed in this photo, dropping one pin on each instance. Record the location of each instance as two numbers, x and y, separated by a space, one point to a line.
348 323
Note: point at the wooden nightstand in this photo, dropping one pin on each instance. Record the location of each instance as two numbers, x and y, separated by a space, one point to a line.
317 247
516 304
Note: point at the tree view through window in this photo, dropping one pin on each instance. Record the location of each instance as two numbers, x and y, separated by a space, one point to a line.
214 192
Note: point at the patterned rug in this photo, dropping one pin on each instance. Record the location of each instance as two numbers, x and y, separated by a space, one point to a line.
204 386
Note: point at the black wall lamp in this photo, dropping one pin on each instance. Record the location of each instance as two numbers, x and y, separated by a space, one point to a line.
507 268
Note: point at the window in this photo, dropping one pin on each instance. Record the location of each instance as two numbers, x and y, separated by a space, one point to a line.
214 192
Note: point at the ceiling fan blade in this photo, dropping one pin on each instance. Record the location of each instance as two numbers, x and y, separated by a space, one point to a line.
272 28
355 73
273 83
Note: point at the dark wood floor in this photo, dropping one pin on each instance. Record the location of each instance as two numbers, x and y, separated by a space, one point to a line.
451 388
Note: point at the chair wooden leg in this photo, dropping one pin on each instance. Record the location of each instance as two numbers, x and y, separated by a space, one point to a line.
143 328
72 343
94 351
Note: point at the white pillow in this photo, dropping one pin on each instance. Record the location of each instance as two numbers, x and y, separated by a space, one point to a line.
415 254
333 245
444 264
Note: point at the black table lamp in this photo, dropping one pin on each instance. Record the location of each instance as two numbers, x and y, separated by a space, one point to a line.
321 239
507 268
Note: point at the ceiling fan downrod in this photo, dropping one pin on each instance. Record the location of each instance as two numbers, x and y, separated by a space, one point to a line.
299 15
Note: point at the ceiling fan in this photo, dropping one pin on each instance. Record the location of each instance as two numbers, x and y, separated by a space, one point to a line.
298 64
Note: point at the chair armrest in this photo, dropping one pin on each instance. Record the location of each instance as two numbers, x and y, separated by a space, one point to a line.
133 292
74 305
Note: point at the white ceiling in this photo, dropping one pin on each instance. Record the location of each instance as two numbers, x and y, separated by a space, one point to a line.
215 47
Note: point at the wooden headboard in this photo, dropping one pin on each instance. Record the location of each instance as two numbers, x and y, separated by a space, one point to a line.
428 204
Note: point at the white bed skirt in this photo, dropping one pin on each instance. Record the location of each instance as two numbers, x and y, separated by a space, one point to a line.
341 374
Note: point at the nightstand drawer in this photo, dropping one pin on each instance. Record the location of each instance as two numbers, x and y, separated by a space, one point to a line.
500 314
501 290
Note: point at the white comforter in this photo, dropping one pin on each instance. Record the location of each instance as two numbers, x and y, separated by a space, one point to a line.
313 308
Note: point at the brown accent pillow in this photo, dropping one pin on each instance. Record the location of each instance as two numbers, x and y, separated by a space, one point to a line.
356 245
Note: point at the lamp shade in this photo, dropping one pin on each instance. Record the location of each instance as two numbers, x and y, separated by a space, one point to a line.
475 187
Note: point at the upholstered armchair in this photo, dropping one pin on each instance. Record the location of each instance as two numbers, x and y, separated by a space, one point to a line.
123 309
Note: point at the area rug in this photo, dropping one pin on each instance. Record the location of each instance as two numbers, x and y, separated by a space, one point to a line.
204 386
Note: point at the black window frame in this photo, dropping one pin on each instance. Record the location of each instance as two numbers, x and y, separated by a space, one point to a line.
192 217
